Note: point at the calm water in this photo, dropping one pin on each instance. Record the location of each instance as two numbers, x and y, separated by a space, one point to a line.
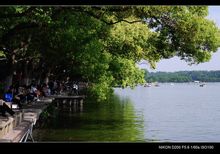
178 113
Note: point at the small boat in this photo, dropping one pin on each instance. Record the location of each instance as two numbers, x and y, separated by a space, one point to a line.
147 85
196 81
202 85
157 85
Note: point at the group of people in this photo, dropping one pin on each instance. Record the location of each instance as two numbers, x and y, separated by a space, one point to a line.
20 95
57 87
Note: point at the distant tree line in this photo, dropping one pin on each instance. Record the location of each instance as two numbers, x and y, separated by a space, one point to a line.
183 76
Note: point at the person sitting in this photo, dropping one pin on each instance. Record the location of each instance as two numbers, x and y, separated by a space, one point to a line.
29 95
34 92
22 94
19 97
8 96
4 108
45 90
13 96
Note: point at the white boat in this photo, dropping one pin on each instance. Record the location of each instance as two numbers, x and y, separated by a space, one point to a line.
197 81
147 85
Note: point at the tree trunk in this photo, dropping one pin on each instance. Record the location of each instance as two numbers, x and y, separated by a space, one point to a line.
8 82
10 71
47 78
26 76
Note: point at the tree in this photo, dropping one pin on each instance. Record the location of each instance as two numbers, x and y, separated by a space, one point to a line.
102 44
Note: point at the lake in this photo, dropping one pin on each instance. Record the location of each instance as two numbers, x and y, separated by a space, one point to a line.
183 112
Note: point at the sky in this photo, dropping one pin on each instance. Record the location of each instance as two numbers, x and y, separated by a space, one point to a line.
175 64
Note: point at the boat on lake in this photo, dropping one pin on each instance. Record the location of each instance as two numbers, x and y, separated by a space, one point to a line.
157 85
202 85
147 85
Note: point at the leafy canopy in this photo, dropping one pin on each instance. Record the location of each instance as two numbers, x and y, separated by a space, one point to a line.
102 44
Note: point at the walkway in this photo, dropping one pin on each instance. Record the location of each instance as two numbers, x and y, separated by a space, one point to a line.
19 127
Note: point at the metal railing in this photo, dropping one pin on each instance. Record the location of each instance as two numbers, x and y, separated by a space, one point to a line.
28 134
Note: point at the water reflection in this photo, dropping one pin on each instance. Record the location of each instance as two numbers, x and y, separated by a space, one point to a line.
69 104
115 120
184 112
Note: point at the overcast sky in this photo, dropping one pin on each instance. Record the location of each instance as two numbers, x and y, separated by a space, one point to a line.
175 64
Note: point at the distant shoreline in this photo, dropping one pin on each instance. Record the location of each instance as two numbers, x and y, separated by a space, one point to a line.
192 82
183 76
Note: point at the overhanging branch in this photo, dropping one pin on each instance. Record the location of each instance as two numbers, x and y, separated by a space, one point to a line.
17 14
111 22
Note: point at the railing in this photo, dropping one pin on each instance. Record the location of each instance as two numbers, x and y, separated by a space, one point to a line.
28 134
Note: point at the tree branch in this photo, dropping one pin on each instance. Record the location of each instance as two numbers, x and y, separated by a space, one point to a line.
29 10
112 9
123 20
108 22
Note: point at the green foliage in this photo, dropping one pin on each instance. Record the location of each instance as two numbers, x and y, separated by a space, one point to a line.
102 44
2 54
126 73
183 76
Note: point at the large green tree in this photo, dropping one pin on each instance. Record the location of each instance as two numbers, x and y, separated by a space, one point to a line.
102 44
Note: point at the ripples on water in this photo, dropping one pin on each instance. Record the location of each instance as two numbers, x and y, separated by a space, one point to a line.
179 113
